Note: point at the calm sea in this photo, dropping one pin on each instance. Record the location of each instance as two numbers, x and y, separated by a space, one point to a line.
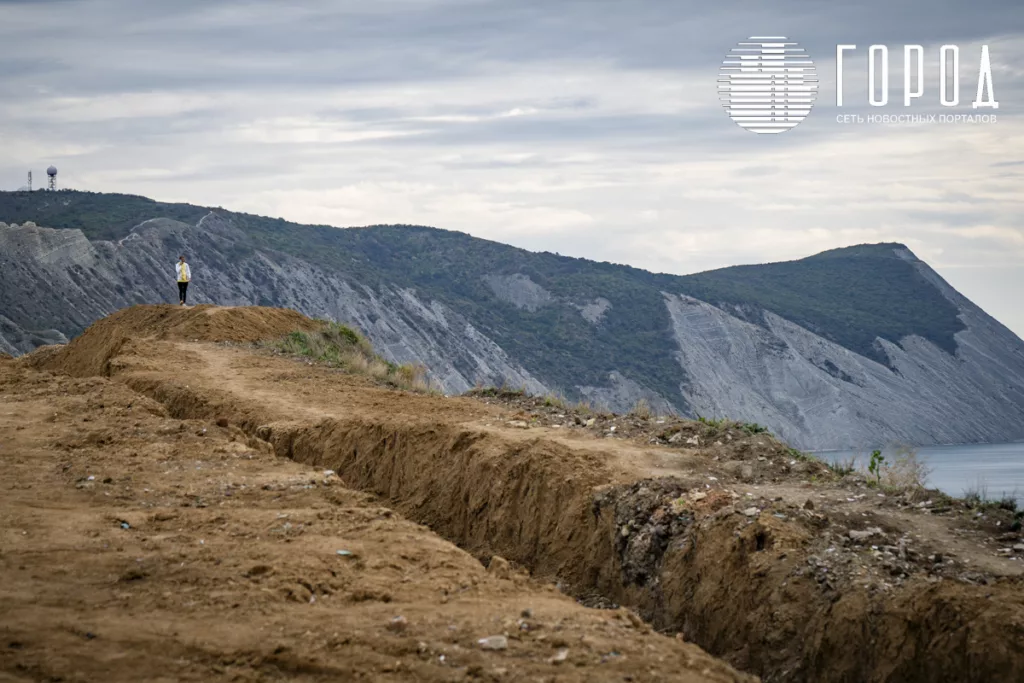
997 469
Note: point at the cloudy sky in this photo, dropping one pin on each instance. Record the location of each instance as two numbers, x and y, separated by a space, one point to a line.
590 128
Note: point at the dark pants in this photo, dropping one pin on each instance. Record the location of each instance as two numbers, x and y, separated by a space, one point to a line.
182 289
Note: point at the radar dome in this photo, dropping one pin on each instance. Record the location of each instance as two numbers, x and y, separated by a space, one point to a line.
51 171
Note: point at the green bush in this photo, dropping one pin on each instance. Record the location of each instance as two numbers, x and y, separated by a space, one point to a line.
875 466
340 346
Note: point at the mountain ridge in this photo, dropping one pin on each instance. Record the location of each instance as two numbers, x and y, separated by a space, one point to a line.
837 327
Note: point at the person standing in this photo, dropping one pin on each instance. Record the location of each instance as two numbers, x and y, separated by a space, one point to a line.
184 277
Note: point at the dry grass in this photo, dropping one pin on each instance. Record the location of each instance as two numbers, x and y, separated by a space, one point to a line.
583 407
642 410
553 401
505 392
905 471
843 467
977 496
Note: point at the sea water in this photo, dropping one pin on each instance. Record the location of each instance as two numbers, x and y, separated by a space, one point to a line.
994 470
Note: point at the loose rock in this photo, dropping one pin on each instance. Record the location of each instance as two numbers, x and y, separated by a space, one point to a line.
493 643
499 567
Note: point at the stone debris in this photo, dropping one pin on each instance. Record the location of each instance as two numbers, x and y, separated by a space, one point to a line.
493 643
500 567
864 534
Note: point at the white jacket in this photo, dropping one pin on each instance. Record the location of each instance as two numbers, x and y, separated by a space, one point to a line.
183 277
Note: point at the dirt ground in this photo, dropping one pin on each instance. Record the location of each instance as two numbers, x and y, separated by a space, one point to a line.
135 546
215 456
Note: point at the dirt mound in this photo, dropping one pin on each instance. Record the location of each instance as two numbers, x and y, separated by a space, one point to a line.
41 356
90 353
744 450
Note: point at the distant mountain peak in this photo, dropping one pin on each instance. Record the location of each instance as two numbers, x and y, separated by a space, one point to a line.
876 250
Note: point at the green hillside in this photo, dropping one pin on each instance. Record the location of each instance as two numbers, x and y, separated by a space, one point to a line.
99 216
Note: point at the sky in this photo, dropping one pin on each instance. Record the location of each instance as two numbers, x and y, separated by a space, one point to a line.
592 129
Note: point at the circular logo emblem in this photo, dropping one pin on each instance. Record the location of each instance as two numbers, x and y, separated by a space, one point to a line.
767 84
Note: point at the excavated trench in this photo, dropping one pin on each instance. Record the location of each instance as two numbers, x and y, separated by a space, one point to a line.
728 582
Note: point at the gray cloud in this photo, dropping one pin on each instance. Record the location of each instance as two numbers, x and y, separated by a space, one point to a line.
588 127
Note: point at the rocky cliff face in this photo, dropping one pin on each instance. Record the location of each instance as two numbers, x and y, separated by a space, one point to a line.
749 364
816 394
